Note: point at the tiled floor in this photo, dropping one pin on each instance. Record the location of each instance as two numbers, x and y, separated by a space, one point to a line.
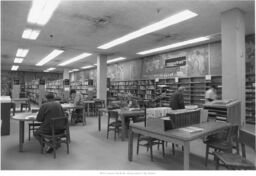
90 150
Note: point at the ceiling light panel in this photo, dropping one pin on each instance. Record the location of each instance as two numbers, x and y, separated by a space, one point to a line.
30 34
18 60
116 59
88 66
74 59
41 11
14 67
22 52
49 69
175 45
51 56
174 19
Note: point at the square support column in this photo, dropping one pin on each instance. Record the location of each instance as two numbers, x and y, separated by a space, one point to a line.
102 77
233 57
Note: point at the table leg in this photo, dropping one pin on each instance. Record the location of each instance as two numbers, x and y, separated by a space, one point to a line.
124 129
21 135
186 155
99 120
130 145
84 117
88 109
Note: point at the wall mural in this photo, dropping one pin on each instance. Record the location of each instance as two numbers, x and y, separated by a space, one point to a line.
197 63
200 60
130 70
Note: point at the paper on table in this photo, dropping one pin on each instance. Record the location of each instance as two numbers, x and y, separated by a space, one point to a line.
191 129
32 117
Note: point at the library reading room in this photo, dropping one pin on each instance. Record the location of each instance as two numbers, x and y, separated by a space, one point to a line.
142 85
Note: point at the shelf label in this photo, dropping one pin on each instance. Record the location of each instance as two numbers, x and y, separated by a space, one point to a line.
176 79
208 77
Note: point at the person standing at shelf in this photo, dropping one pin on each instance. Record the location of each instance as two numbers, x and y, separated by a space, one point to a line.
177 99
76 99
211 94
48 110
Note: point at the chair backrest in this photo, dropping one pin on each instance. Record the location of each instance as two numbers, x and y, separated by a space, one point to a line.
100 103
59 125
112 114
247 138
232 134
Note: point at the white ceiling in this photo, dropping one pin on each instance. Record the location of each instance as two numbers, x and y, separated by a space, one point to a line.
82 26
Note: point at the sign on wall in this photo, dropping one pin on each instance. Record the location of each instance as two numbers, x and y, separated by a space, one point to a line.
175 62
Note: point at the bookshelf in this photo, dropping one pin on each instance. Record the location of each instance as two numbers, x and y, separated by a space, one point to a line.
55 87
195 88
146 89
36 91
250 98
85 87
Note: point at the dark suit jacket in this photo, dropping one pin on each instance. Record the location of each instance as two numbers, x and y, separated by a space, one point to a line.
177 101
46 112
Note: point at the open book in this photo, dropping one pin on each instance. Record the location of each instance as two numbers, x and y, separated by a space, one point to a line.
191 129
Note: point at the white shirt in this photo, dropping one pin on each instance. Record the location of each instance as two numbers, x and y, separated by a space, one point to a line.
210 94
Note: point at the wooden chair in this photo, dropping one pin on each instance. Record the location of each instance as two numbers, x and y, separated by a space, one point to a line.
113 123
59 134
236 161
225 144
147 141
32 127
25 105
98 105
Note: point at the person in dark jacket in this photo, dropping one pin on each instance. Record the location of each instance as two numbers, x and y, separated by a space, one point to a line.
177 99
48 110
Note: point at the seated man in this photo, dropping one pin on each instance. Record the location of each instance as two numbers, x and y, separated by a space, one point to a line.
177 99
47 111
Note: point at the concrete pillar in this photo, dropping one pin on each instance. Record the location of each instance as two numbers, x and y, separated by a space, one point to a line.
102 77
66 87
233 56
65 74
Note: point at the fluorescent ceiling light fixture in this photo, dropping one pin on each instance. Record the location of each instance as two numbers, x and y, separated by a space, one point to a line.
30 34
70 71
175 45
74 59
174 19
22 52
87 66
116 59
51 56
49 69
18 60
15 67
41 11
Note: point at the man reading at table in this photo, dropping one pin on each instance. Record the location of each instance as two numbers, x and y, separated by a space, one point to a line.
48 110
